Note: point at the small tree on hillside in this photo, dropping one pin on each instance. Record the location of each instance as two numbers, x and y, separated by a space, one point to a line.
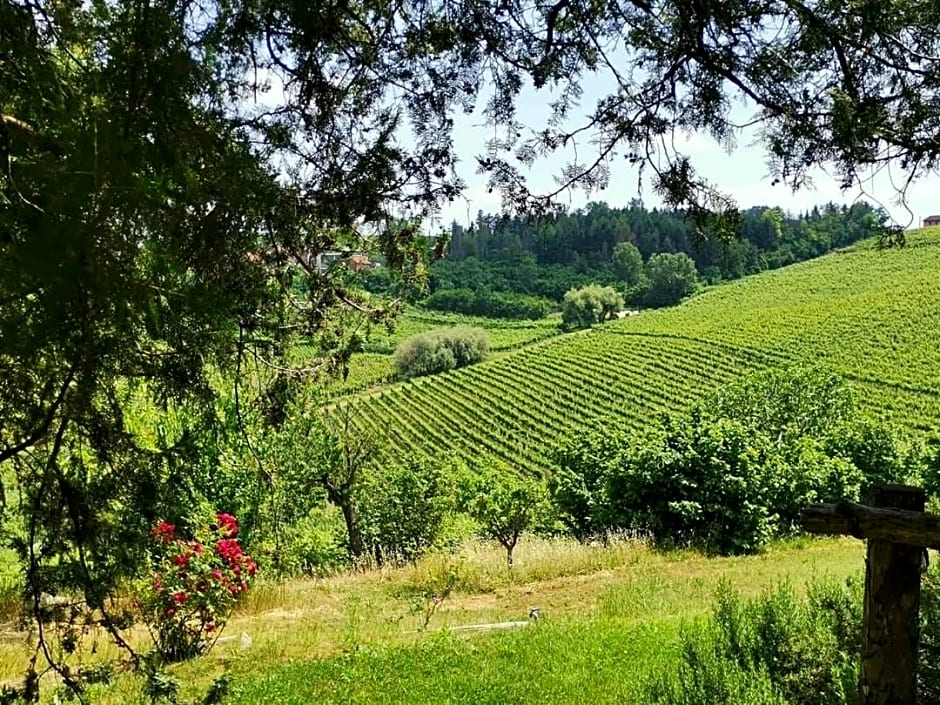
627 264
503 502
672 276
590 304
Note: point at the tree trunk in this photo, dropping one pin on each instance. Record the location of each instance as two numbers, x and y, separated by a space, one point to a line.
356 547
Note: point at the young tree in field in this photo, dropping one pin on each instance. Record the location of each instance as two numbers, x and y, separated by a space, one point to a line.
338 460
502 501
627 263
672 276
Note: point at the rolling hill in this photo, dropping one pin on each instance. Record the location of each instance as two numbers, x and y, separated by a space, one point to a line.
872 316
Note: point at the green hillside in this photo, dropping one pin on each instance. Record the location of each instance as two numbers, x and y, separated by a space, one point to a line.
870 315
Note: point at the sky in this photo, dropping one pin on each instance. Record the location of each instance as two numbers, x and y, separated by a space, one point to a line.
741 173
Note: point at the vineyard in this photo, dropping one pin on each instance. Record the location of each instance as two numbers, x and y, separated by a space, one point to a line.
375 365
870 315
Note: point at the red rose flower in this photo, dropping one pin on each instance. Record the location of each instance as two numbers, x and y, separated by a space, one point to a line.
164 532
227 525
180 598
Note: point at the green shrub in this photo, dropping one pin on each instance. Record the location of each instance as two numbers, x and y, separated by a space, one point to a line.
579 483
468 345
489 304
404 508
731 474
875 449
315 545
423 354
775 650
441 350
702 482
591 304
672 276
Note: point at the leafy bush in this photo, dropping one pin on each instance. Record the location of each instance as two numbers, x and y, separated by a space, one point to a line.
672 276
194 586
702 482
439 351
314 545
580 481
468 345
423 354
403 508
782 650
776 650
589 305
490 304
733 473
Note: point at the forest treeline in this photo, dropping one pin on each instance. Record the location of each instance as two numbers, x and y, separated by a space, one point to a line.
547 257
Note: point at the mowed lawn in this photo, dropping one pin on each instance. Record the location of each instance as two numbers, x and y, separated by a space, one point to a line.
611 618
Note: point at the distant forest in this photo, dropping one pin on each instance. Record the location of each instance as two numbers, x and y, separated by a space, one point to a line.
547 258
516 258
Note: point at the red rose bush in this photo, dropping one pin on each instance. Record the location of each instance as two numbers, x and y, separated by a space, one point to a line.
194 587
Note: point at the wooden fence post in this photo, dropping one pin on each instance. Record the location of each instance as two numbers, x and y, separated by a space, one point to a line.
891 628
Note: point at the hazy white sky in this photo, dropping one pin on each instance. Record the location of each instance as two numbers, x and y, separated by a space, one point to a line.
742 173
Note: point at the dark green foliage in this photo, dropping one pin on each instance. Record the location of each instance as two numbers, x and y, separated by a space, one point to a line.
733 473
579 482
703 484
928 669
523 275
490 304
548 256
627 265
775 650
154 249
876 450
403 508
670 278
930 472
721 485
591 304
439 351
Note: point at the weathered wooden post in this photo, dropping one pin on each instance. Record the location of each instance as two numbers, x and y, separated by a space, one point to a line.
897 530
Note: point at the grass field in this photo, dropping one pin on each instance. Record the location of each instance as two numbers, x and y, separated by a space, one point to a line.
872 316
610 618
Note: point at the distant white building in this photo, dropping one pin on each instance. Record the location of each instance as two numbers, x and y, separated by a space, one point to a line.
356 261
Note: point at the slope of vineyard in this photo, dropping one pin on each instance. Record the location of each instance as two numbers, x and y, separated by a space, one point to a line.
873 316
